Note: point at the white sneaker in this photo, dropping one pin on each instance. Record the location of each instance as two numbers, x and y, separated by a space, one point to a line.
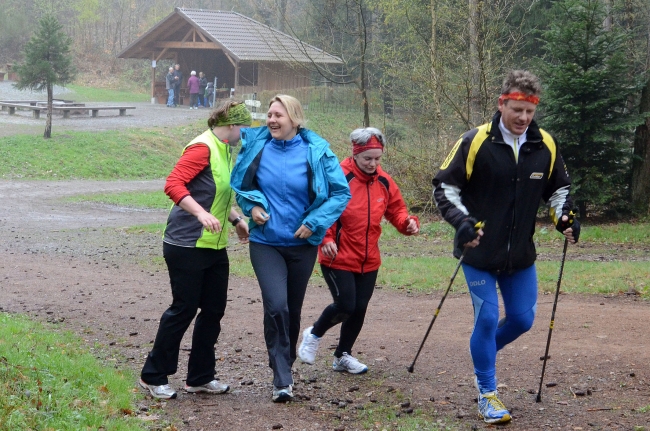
350 364
214 387
282 395
163 392
308 346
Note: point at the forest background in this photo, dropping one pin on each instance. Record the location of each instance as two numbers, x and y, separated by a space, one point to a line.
424 71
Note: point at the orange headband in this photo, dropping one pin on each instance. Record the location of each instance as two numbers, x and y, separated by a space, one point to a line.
371 144
519 96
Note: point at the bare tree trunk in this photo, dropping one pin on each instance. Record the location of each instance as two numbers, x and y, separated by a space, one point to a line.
607 24
641 159
434 71
48 122
474 64
363 81
282 14
641 156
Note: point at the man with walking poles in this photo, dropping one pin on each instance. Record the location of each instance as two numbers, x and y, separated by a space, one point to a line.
497 173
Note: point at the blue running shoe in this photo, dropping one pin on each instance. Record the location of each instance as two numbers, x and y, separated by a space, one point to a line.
491 409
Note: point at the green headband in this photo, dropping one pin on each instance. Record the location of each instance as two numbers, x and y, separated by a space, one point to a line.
237 115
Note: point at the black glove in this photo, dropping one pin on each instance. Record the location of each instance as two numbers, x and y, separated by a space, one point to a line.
467 231
572 222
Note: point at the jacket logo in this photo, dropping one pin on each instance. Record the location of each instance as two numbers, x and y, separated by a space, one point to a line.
536 176
451 155
380 200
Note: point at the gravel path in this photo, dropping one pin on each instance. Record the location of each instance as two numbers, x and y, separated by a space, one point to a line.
144 115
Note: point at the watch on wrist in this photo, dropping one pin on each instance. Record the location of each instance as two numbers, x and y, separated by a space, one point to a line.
237 220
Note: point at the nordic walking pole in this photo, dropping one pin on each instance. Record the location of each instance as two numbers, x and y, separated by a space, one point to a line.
478 226
550 328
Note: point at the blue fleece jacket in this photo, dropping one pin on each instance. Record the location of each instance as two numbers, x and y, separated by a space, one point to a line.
326 188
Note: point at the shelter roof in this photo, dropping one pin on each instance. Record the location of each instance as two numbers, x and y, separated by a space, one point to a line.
240 37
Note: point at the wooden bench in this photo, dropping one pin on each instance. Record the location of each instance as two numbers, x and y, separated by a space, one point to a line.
65 108
94 110
19 102
11 107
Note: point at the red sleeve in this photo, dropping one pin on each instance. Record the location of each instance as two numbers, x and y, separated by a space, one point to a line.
194 159
330 234
396 211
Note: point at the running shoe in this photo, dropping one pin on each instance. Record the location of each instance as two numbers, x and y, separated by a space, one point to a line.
308 346
283 394
350 364
214 387
163 392
491 409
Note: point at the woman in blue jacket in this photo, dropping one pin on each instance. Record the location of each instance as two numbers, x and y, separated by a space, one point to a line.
291 186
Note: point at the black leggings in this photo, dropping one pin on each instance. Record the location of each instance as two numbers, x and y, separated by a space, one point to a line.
283 274
199 280
351 292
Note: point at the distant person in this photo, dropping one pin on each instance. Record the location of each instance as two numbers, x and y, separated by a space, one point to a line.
178 81
194 248
169 85
349 254
203 83
209 94
290 184
498 173
193 88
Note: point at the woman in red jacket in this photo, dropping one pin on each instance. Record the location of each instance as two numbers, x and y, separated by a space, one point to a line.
349 254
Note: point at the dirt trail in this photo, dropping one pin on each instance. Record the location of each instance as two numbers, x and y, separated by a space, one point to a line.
74 265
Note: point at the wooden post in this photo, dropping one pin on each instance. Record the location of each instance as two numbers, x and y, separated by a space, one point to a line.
236 77
153 81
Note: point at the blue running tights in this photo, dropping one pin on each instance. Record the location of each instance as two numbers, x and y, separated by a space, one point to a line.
519 294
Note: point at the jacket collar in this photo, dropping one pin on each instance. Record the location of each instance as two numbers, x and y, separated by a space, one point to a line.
532 133
351 165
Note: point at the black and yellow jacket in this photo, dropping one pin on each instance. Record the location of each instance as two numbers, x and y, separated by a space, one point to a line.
482 178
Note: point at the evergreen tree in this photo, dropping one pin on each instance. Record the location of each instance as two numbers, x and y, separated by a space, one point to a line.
589 85
47 62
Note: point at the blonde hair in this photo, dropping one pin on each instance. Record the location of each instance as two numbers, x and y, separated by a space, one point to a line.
293 107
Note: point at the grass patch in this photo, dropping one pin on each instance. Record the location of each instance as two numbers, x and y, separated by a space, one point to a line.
49 381
419 419
156 228
595 277
620 233
90 94
140 200
129 154
423 264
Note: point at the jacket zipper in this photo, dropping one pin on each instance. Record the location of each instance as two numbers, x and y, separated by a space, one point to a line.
508 264
368 184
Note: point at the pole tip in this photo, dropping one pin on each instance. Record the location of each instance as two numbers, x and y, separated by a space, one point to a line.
539 398
410 369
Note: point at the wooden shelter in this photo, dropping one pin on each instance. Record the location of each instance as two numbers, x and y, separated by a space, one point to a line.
240 52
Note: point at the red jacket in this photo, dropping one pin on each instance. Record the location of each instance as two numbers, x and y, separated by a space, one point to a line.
358 229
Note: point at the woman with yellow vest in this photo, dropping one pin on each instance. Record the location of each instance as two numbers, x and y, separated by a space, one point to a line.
194 248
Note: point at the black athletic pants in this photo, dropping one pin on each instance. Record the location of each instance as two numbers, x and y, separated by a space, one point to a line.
283 274
351 292
199 279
